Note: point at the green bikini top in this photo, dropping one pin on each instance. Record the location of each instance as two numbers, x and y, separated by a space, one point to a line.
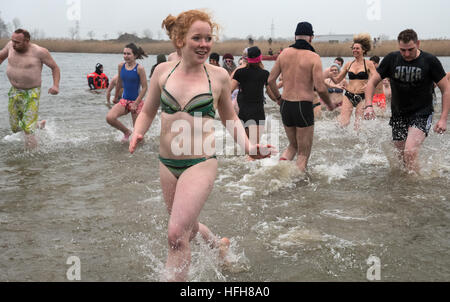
202 103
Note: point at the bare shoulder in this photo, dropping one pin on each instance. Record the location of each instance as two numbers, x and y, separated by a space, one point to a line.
217 73
8 45
162 70
165 67
370 64
39 51
347 65
315 56
4 53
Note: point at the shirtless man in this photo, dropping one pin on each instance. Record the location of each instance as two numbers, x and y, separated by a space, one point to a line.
302 70
24 70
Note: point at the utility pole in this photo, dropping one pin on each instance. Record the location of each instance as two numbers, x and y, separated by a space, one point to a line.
272 30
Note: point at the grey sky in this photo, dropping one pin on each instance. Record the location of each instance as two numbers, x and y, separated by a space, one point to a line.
237 18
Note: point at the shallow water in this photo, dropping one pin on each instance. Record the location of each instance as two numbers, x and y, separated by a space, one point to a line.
82 194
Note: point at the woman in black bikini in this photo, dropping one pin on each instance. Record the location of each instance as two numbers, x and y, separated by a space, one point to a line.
358 74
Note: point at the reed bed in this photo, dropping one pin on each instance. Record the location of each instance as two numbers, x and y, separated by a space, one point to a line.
235 47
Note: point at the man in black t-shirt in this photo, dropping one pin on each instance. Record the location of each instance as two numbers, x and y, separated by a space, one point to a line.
412 74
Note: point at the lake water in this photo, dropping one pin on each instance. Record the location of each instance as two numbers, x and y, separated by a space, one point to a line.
82 194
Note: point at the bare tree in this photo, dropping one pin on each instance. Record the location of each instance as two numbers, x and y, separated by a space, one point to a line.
37 34
75 31
4 32
148 34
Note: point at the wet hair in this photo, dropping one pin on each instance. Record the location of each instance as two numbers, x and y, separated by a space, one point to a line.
161 58
375 59
24 32
177 27
365 41
408 35
340 60
138 52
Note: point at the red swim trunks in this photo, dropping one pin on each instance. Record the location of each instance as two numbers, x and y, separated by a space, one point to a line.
127 105
379 100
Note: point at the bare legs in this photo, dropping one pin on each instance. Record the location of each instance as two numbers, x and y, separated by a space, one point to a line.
30 139
112 119
300 143
185 199
346 113
408 151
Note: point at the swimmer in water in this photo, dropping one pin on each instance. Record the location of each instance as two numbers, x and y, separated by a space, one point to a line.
131 77
190 91
24 71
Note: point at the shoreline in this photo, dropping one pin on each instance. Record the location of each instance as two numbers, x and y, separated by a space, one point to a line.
235 47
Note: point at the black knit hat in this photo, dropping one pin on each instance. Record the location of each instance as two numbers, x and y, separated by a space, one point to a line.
304 29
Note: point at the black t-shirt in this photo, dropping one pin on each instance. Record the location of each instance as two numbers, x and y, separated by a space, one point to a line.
412 83
251 81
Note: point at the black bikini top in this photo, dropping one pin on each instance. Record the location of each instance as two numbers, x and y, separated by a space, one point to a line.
363 75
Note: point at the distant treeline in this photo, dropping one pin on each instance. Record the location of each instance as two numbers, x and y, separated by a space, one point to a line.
235 47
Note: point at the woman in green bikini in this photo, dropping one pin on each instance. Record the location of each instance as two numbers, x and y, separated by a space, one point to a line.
189 92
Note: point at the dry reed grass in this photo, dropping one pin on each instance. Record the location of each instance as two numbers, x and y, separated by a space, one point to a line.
235 47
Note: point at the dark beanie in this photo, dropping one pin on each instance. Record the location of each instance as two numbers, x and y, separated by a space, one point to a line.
304 29
228 56
253 52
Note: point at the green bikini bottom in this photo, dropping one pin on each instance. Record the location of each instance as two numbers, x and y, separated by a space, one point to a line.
178 166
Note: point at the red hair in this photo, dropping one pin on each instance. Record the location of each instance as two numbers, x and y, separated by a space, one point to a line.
177 27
